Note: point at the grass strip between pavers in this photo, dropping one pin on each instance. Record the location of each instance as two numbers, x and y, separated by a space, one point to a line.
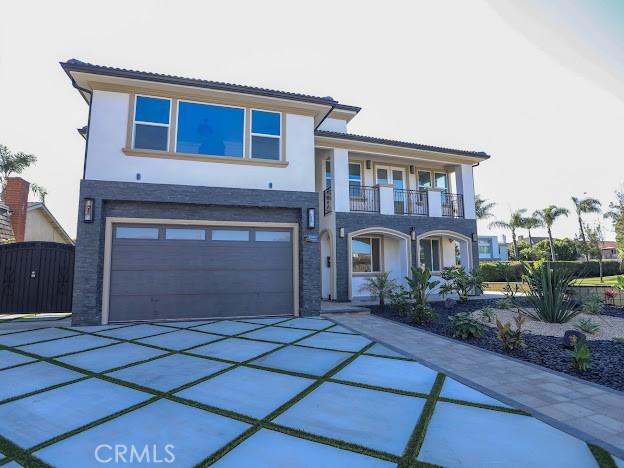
420 430
408 459
603 458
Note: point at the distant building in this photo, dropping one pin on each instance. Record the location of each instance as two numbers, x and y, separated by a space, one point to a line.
609 250
490 249
21 221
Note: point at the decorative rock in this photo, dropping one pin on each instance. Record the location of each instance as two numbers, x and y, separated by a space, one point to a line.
449 303
567 338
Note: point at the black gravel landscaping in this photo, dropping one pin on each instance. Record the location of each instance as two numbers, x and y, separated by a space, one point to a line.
607 357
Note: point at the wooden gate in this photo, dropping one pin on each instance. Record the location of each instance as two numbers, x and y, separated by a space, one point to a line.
36 277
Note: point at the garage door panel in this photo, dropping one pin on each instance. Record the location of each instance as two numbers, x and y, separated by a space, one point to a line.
145 307
200 281
203 256
159 279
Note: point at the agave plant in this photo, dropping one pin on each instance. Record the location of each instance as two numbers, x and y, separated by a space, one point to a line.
549 293
380 285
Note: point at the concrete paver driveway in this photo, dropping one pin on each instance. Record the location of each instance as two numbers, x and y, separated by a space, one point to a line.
258 392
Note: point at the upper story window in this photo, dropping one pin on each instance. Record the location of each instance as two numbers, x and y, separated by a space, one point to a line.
485 248
424 180
328 175
151 123
441 181
355 174
266 133
210 130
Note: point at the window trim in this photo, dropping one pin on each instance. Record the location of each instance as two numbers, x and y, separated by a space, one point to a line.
200 155
153 124
381 256
169 154
278 138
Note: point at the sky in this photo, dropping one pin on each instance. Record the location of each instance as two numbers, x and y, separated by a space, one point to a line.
537 85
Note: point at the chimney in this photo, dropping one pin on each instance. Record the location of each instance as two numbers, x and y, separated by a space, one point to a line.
16 198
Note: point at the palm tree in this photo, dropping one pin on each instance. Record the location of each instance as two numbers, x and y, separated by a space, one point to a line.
531 222
483 207
515 222
548 216
585 206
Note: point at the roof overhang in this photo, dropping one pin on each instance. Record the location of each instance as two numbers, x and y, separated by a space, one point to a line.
396 149
87 78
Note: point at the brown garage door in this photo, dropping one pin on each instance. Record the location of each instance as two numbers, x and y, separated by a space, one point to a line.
174 272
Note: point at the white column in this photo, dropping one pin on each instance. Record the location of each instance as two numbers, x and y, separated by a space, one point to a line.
435 203
340 179
465 186
386 199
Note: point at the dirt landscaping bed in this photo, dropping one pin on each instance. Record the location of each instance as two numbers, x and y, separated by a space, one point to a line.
607 355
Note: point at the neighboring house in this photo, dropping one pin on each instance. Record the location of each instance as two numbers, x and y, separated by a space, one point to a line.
205 199
6 230
491 250
609 250
30 221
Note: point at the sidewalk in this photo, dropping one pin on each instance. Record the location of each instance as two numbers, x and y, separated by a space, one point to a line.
588 411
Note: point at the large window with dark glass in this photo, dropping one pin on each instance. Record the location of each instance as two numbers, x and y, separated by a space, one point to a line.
424 180
210 130
151 123
366 254
266 131
430 254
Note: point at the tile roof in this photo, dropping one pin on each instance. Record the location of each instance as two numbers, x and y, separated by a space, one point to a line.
74 65
400 144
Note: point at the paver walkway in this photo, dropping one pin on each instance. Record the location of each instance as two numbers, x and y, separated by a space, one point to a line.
588 411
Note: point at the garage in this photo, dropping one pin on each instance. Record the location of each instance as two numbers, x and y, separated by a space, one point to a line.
180 271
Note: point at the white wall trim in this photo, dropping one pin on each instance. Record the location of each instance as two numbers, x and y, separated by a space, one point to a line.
382 231
108 244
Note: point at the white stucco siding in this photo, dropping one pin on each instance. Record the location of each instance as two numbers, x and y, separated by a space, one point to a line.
106 160
334 125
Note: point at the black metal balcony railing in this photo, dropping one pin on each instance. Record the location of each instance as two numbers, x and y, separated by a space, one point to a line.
452 205
364 198
411 202
327 200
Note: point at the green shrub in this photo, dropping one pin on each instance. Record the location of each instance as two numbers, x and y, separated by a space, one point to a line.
580 356
511 339
421 314
380 286
513 271
464 326
503 303
587 326
593 304
488 314
549 293
400 299
459 281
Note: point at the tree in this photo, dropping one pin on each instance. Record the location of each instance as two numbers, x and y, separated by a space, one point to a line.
13 163
483 208
616 215
548 216
585 206
514 223
565 250
531 222
593 244
40 191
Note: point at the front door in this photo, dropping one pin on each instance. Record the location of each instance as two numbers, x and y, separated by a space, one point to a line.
394 176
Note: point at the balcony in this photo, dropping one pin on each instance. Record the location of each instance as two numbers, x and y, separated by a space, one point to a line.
327 201
452 205
411 202
364 199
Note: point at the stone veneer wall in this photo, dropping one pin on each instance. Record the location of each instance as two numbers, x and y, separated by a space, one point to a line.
356 221
141 200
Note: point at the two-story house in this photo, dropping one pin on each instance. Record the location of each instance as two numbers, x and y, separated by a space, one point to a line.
206 199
